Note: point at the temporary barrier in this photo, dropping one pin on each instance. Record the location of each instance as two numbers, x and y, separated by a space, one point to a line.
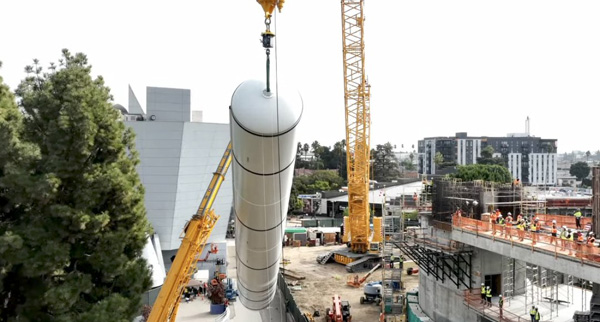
538 241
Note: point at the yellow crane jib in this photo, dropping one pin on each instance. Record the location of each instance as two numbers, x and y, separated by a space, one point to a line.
196 233
269 6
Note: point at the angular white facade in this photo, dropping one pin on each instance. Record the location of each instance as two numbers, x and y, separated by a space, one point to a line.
177 160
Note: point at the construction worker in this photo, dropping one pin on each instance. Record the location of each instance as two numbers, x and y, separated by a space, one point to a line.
482 293
532 313
521 230
392 258
508 227
533 228
578 218
500 222
488 295
554 233
570 241
493 217
500 304
563 237
591 239
537 315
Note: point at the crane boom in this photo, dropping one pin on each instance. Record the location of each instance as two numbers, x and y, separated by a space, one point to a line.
357 98
197 232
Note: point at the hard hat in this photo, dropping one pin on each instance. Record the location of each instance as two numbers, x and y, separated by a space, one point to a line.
482 284
536 218
509 213
500 295
591 234
554 221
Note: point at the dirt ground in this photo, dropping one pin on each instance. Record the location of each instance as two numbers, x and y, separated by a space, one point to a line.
324 281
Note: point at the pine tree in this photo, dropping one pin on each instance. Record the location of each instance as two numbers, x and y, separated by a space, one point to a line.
78 223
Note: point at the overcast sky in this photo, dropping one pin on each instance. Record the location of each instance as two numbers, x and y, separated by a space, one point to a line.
436 67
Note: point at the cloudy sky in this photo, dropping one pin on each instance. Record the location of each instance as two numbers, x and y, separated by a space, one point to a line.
436 67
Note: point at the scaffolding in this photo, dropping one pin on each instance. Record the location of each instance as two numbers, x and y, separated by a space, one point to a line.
508 283
391 279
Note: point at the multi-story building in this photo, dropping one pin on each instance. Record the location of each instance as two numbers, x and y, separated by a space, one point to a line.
530 159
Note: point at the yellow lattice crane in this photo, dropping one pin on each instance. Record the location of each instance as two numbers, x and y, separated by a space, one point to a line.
196 233
358 121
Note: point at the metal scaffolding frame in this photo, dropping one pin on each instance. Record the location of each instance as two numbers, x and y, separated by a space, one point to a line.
454 265
391 277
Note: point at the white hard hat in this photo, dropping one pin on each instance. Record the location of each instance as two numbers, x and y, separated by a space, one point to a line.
554 221
509 213
500 295
482 284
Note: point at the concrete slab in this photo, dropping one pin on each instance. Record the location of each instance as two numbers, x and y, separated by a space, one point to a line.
521 251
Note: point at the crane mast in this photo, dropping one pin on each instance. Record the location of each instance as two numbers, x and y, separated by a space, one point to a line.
357 98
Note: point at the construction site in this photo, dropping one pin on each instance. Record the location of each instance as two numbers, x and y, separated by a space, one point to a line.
461 262
464 260
227 246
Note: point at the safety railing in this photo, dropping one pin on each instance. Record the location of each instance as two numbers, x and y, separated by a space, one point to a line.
537 241
473 301
569 221
425 237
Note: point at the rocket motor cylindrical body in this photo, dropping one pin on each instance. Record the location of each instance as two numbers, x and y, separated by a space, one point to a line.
264 151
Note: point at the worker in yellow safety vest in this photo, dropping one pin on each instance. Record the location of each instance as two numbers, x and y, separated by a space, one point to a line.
533 229
488 295
482 293
532 313
578 218
570 238
521 228
563 237
537 314
500 304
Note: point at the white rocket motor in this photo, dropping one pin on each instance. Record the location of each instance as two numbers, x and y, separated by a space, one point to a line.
264 150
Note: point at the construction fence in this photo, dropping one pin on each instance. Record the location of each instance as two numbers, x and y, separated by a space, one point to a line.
291 306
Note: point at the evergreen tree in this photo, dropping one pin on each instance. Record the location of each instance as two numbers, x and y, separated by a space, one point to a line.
74 220
486 172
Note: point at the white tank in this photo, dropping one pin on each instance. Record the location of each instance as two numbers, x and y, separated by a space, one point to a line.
264 152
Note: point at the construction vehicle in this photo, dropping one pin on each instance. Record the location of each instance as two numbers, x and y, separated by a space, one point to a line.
356 282
196 233
339 312
230 292
212 250
372 293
